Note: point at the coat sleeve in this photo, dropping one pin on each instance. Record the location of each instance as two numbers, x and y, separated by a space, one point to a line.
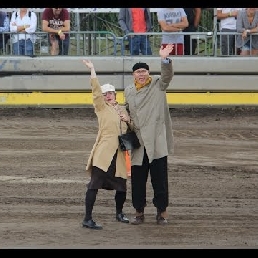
98 100
167 74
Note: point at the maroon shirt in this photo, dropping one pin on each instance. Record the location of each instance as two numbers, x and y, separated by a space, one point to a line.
55 22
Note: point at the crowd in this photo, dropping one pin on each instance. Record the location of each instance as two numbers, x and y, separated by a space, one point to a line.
236 26
23 25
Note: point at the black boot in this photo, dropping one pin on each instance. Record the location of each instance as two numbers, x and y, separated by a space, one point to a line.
121 217
91 224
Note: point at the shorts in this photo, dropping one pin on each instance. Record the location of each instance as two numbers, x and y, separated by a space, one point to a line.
178 49
247 46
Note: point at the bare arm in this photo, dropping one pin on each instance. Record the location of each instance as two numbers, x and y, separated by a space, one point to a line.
175 27
90 65
197 16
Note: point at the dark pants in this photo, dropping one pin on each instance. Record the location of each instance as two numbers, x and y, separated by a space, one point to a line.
159 181
188 48
139 44
228 45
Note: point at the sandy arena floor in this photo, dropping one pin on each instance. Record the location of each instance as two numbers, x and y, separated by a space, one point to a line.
213 182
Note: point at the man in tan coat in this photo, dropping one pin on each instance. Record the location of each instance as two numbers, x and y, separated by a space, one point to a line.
147 105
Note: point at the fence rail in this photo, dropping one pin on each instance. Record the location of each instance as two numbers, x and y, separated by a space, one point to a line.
106 43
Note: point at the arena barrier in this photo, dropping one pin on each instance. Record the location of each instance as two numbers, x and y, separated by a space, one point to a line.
64 81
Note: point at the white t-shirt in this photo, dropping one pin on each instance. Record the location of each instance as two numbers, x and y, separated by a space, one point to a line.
170 16
229 22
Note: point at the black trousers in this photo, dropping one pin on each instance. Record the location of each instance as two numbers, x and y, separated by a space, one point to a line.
188 48
159 180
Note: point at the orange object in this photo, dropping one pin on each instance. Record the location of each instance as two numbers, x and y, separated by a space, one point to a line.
128 163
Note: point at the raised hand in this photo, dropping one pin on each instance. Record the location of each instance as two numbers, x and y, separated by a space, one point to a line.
88 63
164 51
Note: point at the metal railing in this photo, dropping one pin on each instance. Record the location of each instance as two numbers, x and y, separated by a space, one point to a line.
81 43
106 43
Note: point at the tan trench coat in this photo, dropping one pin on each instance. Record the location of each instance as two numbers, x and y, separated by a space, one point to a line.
106 142
149 112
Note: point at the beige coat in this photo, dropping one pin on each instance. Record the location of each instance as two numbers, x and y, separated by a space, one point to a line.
149 112
106 142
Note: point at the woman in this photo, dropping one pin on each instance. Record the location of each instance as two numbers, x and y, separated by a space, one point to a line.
107 163
23 24
246 24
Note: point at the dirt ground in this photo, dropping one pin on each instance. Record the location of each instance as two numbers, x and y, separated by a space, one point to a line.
213 182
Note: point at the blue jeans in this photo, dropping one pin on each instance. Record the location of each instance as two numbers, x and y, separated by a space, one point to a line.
139 44
64 46
23 47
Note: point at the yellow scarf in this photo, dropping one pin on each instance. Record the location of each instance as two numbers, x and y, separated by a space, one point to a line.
139 86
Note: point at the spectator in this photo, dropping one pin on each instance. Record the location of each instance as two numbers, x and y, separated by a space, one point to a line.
4 27
247 23
193 17
56 21
173 20
227 17
23 24
136 20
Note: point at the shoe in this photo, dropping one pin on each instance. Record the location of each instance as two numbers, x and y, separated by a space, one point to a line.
137 220
122 218
91 224
161 220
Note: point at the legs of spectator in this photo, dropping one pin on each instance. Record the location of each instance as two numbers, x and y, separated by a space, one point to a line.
134 44
178 49
28 47
187 49
246 49
145 45
228 43
194 46
17 48
64 46
54 46
254 52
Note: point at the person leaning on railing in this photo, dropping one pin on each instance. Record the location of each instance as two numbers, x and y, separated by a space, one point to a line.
247 24
227 17
56 21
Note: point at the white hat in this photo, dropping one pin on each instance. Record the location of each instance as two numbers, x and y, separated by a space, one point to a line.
107 87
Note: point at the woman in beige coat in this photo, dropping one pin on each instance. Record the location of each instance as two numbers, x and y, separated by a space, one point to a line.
106 164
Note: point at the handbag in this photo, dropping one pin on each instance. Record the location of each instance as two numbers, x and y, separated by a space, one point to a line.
128 140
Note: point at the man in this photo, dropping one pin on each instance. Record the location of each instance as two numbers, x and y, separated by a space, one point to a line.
228 17
147 105
194 18
136 20
56 21
4 27
172 20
